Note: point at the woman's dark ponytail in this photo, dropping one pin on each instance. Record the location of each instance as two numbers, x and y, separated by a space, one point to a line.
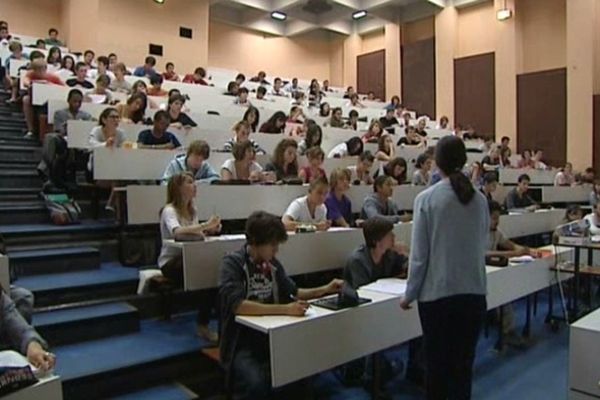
451 157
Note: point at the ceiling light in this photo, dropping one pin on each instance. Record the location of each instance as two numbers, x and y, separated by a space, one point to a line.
278 15
359 14
503 14
159 1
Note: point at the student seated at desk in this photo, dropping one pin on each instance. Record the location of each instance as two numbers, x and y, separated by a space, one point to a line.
336 118
88 58
389 121
491 162
194 162
242 166
252 117
146 70
411 138
475 174
526 161
380 204
573 213
100 94
22 337
275 124
242 98
385 148
179 119
197 78
314 169
324 110
519 198
352 122
102 69
54 59
374 133
52 39
354 101
232 89
361 172
595 194
350 148
444 123
565 176
72 113
422 174
285 160
594 220
296 115
254 282
261 94
134 110
339 206
170 74
241 132
156 86
119 84
310 209
537 160
277 89
178 219
380 257
313 137
421 125
490 184
79 80
158 137
395 169
499 245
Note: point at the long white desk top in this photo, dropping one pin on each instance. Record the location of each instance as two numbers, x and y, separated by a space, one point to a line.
328 250
325 339
538 176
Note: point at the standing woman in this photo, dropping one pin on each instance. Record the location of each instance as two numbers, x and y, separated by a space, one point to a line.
178 219
447 273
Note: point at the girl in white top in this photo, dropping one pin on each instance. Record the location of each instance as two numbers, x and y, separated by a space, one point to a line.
352 147
565 177
594 220
242 165
178 219
310 209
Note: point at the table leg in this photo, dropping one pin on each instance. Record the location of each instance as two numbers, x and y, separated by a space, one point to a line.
575 315
527 327
500 343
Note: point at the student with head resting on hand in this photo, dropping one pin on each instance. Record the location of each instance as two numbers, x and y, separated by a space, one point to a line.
170 74
146 70
309 209
374 133
275 124
385 148
361 172
380 257
422 174
518 198
197 78
312 138
194 161
285 160
134 110
242 98
352 122
158 137
380 203
79 80
254 282
243 167
179 119
339 206
336 118
241 131
178 220
252 117
100 94
396 168
314 170
119 84
350 148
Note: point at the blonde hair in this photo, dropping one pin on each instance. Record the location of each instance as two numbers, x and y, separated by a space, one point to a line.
175 199
338 174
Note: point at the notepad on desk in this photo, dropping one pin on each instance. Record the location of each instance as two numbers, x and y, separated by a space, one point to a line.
521 259
393 286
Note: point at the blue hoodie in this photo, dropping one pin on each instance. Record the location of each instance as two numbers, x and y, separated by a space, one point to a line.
205 174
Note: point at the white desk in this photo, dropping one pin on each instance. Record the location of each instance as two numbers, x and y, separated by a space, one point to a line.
562 194
4 271
530 223
584 358
538 177
328 250
326 339
46 389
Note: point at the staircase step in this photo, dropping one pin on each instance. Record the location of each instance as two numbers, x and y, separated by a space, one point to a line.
20 179
8 194
110 280
20 153
171 391
159 352
19 141
28 213
80 324
18 165
33 262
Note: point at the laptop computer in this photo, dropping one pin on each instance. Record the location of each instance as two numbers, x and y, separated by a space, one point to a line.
347 298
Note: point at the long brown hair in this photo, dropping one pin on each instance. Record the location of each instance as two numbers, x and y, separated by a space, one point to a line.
174 197
280 149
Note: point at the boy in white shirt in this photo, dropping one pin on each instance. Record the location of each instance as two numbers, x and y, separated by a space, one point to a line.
310 209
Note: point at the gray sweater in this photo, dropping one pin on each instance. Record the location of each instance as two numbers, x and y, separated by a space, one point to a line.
449 241
374 207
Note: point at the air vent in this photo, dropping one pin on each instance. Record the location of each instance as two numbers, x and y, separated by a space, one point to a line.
185 32
155 50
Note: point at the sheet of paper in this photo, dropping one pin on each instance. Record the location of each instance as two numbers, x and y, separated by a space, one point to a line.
522 259
388 285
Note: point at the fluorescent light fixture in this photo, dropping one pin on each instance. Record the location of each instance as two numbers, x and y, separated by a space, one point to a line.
503 14
159 1
359 14
278 15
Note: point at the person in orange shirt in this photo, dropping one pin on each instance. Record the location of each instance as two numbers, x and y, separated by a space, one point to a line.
156 86
197 78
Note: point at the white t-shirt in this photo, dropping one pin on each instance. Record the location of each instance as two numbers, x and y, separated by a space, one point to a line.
169 221
341 150
298 211
594 226
229 165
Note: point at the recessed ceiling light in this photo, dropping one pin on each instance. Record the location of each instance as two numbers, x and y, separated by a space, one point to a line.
278 15
359 14
504 14
159 1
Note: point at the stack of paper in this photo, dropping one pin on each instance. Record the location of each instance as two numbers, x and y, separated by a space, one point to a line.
393 286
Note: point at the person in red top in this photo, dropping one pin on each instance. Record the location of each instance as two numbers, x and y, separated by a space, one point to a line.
197 78
170 74
314 169
37 74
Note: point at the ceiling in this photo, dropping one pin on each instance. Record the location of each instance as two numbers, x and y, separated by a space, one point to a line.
330 15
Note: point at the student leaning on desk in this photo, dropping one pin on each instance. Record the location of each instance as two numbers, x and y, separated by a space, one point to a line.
253 282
